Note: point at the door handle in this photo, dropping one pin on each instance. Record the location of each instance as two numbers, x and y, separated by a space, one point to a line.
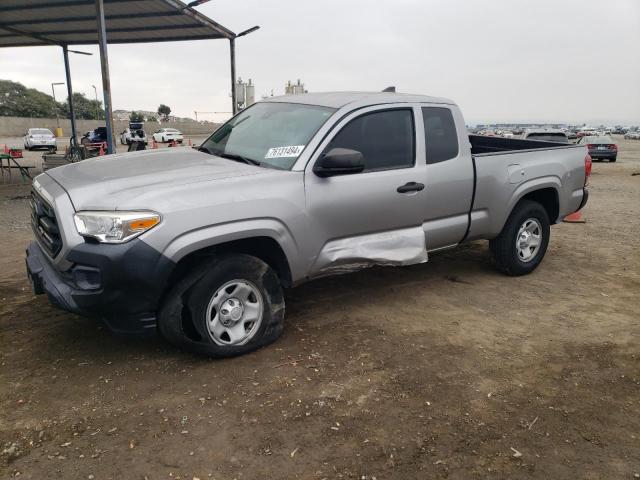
410 187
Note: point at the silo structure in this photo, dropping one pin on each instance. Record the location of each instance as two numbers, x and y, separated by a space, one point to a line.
250 90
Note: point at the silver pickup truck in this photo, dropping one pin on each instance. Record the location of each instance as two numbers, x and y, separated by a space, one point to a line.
199 243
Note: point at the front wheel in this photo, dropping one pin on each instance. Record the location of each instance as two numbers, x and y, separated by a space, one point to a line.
229 305
521 245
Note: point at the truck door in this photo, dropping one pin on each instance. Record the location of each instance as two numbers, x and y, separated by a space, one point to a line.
449 177
375 216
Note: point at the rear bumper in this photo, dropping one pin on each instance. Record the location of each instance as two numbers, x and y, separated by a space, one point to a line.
585 198
120 284
606 154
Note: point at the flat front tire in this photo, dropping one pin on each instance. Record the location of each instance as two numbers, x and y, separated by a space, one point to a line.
228 305
523 242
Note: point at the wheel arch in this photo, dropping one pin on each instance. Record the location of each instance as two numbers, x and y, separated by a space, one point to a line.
265 238
265 248
545 191
549 198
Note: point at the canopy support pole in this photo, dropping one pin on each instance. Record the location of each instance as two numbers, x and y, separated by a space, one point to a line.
106 81
234 105
72 113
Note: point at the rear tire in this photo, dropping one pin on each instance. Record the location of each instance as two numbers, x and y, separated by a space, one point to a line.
230 305
613 160
522 244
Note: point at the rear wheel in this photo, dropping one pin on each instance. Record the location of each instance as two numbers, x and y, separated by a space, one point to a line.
228 306
613 159
521 245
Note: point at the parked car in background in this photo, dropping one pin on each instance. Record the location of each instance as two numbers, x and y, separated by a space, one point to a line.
632 135
199 244
165 135
600 147
40 138
97 135
134 133
545 135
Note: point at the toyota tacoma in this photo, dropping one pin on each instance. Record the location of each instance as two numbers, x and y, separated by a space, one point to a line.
198 244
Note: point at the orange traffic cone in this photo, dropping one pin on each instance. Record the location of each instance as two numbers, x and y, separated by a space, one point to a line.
101 152
190 144
172 143
6 148
575 217
154 144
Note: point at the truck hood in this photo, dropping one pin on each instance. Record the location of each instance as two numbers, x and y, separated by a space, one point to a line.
134 180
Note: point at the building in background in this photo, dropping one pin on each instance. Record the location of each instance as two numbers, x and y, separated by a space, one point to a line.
294 89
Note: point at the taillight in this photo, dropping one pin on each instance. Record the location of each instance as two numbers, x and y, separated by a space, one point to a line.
591 146
588 163
613 147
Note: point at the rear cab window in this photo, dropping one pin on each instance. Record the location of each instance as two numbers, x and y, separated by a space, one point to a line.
440 134
549 137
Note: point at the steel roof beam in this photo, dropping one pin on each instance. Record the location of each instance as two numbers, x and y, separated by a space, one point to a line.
62 3
88 18
118 30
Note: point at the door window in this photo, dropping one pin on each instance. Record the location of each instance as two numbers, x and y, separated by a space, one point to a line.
385 139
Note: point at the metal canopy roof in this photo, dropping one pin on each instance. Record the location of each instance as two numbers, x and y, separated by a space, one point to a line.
74 22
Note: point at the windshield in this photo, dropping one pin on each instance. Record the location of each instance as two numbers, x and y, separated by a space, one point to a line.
273 134
41 131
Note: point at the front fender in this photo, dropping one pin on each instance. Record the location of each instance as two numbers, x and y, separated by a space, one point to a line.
212 235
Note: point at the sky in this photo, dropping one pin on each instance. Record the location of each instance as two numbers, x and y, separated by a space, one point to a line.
500 60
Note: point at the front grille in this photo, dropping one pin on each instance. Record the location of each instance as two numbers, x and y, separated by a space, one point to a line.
44 224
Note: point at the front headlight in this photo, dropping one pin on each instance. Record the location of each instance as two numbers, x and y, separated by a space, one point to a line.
114 227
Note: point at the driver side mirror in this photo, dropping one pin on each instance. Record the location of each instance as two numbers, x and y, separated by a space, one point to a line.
339 161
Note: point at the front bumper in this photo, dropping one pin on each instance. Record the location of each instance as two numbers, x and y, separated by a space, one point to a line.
120 284
37 144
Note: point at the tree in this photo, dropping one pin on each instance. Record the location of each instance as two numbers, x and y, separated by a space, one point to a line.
151 118
84 108
136 117
16 100
164 111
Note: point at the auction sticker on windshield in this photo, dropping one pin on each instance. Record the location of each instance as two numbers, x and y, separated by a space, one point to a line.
289 151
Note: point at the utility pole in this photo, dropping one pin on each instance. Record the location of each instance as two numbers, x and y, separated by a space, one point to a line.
106 81
53 91
232 46
95 91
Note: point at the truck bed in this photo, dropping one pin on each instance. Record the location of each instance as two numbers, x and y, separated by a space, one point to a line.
506 169
483 145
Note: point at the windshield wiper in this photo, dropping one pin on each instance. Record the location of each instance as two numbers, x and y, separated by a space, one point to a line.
200 148
238 158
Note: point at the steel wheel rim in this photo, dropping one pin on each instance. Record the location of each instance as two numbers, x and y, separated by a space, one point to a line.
234 313
529 239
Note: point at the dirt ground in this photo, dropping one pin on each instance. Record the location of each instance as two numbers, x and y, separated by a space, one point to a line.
442 370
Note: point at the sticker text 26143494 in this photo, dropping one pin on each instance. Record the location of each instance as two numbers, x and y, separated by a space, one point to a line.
288 151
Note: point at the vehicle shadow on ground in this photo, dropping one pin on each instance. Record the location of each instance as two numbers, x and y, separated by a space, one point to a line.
63 334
